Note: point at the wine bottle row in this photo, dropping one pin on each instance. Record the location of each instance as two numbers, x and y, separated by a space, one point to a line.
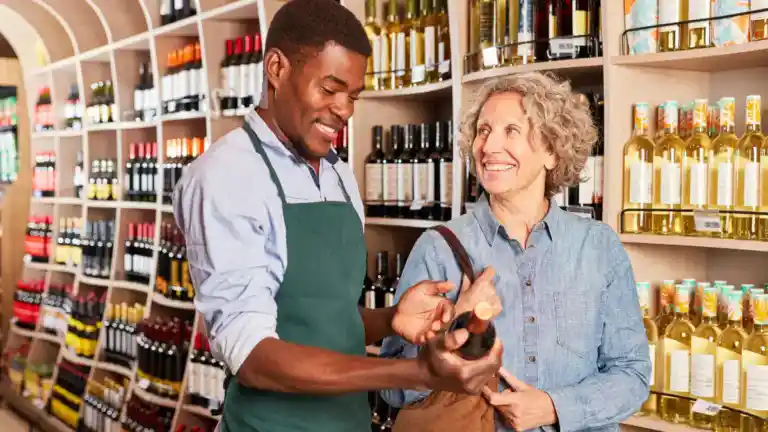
141 416
103 402
121 327
177 10
172 279
206 375
724 23
37 241
44 174
242 70
26 303
180 152
97 246
411 177
141 173
84 324
692 184
145 96
102 107
103 181
183 85
69 248
138 252
56 309
708 346
411 49
67 395
162 355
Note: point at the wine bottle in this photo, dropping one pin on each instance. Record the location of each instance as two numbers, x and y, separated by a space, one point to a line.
482 332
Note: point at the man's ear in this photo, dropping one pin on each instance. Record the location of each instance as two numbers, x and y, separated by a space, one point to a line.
276 67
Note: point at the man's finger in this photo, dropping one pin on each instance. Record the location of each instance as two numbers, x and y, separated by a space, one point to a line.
452 341
512 380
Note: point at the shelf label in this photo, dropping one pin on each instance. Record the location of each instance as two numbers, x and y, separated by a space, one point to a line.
707 221
490 57
707 408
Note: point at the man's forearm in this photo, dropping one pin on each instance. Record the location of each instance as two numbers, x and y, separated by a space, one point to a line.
281 366
377 323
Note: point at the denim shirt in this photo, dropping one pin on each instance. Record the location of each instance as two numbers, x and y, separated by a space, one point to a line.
571 323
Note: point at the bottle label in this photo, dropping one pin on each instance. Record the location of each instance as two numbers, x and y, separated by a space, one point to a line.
418 71
128 262
138 102
429 48
756 5
703 375
178 4
640 177
670 183
669 12
698 9
679 371
430 191
242 81
370 299
598 174
698 184
725 184
446 183
389 184
400 55
387 56
731 381
389 300
373 183
753 103
652 354
757 387
587 187
194 82
419 185
751 171
376 54
232 77
404 184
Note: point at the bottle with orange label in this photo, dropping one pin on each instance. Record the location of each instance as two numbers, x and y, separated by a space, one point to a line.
750 162
729 348
754 359
696 161
703 354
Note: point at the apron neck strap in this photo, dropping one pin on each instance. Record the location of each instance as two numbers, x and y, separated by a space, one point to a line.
257 145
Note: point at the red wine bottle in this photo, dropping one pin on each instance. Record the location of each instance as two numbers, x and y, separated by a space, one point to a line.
482 332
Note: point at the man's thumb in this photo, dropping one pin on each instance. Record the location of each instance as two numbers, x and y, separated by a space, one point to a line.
452 341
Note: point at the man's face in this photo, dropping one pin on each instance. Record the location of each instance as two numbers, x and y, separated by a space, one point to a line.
317 98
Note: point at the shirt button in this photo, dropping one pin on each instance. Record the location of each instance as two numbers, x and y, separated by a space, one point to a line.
531 319
528 283
532 359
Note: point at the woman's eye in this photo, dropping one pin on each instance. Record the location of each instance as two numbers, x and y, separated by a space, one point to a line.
483 132
512 130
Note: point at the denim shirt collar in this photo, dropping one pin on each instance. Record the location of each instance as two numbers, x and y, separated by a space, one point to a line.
490 225
270 139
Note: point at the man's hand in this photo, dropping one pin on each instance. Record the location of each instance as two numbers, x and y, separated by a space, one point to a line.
423 311
522 407
482 290
448 371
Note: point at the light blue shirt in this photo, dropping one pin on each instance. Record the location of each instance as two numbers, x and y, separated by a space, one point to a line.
571 322
228 208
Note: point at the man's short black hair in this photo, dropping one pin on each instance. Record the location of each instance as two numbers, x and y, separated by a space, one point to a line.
300 25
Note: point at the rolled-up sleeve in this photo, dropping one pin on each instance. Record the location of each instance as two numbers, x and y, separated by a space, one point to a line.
236 274
620 386
422 264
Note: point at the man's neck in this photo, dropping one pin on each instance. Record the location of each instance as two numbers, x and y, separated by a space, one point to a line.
271 123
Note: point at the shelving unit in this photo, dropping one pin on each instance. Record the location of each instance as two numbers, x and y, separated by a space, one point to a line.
86 40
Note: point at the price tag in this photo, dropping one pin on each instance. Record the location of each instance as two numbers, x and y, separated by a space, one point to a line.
444 67
490 57
559 47
707 221
707 408
418 73
417 205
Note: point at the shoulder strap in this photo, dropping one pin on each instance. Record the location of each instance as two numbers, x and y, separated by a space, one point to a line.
465 265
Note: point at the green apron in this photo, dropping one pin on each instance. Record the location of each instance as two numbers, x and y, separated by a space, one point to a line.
317 306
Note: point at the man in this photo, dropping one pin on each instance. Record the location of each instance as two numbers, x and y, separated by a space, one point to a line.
273 226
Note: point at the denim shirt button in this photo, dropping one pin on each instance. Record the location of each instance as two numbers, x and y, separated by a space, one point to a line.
532 359
528 283
531 319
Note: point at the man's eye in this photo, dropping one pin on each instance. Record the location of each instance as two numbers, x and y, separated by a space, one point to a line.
328 91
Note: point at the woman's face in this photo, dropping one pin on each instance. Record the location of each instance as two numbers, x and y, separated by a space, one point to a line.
509 156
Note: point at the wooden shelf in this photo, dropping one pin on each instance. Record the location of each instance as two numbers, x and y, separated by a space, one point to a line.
31 413
198 410
653 423
133 286
115 368
563 67
409 223
176 304
701 242
734 57
157 400
181 116
51 267
438 89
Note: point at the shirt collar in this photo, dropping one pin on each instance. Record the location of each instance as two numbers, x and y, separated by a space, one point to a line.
270 139
490 225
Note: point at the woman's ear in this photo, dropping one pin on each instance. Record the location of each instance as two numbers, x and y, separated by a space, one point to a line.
550 161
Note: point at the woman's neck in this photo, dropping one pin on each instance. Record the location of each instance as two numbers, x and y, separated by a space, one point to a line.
519 213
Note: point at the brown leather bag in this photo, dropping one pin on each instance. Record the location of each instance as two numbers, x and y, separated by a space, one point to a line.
443 411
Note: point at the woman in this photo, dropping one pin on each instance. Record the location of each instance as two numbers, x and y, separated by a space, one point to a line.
570 323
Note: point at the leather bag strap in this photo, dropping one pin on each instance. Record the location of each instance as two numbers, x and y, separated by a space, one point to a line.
465 265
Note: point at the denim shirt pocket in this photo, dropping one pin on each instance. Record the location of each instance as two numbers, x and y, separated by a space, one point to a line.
576 315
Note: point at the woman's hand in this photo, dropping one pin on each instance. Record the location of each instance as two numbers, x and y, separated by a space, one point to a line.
483 290
522 407
423 311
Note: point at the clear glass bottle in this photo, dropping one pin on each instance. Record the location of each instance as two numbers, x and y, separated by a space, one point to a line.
729 348
638 174
398 52
674 405
670 36
721 168
751 165
754 359
417 71
666 306
703 354
373 31
652 333
667 164
722 303
696 160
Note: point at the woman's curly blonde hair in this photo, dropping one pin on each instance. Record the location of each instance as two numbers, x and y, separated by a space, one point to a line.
559 118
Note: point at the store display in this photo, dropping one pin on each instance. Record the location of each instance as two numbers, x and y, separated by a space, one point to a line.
26 303
162 355
37 242
172 279
67 395
392 190
179 152
56 308
177 10
138 252
121 326
241 74
103 401
69 249
183 85
103 181
205 376
145 95
97 245
141 172
84 324
44 175
102 108
44 119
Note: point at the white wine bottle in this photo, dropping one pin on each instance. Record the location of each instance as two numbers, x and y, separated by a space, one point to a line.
749 155
652 333
754 358
721 168
373 31
675 405
729 348
667 164
638 174
698 152
703 353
